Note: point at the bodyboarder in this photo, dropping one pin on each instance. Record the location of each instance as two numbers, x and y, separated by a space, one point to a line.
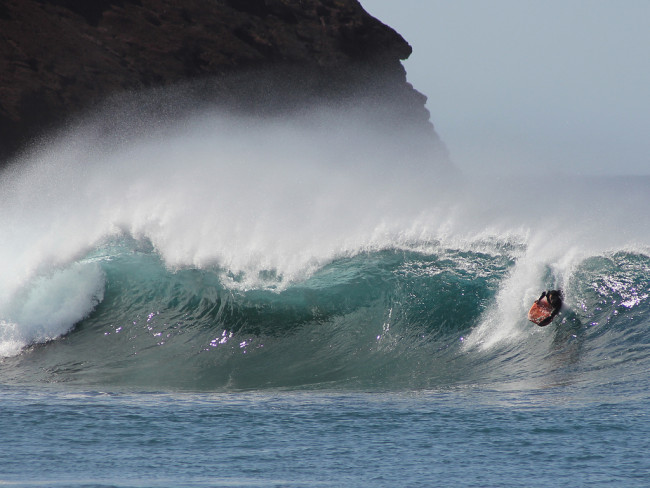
546 307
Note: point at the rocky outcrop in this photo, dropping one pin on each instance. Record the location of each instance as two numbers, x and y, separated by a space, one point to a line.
58 58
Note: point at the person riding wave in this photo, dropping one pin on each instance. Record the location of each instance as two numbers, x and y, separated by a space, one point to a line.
554 299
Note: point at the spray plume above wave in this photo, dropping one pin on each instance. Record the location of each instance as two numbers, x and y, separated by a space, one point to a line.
243 193
197 251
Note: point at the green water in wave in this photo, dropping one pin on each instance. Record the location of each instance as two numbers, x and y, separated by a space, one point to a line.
390 319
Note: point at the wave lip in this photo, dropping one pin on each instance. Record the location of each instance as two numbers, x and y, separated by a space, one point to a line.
49 306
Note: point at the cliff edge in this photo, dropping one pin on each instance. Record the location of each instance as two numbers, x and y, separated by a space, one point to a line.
59 58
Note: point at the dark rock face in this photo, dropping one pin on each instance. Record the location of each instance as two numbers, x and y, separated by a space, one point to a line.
61 57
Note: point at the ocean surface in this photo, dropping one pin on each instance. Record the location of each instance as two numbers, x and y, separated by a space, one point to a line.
227 301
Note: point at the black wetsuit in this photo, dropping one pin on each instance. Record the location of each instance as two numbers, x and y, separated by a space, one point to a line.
554 298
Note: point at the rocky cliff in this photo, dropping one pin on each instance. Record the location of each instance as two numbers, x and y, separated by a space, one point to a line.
59 58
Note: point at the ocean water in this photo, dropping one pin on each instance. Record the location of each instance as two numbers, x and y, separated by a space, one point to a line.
250 301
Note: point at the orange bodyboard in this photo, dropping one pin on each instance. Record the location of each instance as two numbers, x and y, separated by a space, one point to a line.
540 311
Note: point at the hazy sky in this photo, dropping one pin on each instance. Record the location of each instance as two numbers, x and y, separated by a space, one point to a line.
559 84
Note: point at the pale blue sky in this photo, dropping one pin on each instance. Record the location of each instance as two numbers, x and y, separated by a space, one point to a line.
563 84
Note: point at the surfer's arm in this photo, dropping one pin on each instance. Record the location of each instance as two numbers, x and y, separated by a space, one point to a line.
541 296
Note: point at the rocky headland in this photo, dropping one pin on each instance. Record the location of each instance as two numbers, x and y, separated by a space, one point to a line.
61 58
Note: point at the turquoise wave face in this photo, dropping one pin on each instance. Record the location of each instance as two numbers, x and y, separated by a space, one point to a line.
388 319
354 317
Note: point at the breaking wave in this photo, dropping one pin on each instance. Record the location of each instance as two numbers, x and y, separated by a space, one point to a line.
228 253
